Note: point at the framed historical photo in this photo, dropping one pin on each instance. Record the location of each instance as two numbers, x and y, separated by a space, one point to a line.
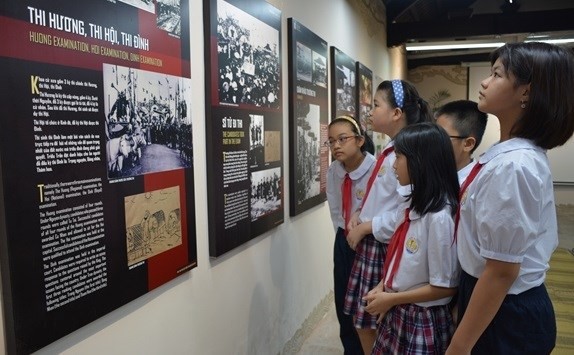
343 84
365 97
243 121
96 162
308 117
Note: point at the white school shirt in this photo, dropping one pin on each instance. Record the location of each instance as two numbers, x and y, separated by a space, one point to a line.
429 255
383 198
464 172
336 176
388 221
508 213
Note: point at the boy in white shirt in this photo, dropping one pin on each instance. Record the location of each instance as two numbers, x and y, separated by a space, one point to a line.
465 125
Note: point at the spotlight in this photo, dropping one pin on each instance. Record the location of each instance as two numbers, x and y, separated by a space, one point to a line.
510 6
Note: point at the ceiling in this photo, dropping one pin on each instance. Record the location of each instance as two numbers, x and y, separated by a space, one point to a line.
460 21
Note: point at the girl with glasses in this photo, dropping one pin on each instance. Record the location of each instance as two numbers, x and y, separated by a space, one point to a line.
346 183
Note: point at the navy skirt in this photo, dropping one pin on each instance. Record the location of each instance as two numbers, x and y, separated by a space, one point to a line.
524 324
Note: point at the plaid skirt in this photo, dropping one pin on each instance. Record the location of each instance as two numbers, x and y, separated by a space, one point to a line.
412 329
366 273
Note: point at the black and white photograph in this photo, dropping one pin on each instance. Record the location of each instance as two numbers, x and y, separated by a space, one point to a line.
344 95
365 94
169 16
146 5
148 122
304 62
243 85
308 117
265 192
308 159
319 69
256 140
248 59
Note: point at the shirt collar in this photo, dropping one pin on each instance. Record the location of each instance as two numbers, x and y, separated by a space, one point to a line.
413 215
507 146
360 171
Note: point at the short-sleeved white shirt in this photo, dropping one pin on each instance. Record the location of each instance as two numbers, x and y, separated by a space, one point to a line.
429 255
335 177
508 213
382 198
464 172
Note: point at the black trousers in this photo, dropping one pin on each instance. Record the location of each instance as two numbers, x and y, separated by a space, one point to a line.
343 257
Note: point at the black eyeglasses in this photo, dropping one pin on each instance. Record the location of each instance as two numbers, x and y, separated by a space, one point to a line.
341 140
458 137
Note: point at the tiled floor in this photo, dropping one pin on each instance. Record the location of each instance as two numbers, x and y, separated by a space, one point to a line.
565 214
324 339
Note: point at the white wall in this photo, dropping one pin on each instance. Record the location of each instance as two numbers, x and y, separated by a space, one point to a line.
254 298
429 80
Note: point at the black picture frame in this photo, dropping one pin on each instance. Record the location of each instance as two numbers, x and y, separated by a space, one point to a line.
364 97
308 117
243 121
343 84
90 219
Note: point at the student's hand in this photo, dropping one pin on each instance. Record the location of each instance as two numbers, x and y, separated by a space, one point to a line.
354 236
379 304
377 289
354 220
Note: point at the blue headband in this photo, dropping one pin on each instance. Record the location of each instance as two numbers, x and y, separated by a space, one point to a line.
398 92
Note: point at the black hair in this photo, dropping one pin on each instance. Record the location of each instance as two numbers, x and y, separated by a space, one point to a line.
415 107
466 119
431 167
548 118
368 146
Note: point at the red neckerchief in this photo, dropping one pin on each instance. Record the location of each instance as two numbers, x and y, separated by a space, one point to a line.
347 199
475 169
373 176
396 247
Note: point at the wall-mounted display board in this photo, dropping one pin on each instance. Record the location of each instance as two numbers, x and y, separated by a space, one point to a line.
243 121
308 118
96 160
365 95
343 84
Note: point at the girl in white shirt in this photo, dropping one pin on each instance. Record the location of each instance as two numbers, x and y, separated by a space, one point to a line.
354 162
396 104
421 269
508 230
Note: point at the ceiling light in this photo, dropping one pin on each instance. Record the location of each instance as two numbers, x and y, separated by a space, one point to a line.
532 36
433 46
553 41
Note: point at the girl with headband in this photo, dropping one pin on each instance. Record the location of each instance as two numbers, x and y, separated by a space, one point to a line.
347 177
397 104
